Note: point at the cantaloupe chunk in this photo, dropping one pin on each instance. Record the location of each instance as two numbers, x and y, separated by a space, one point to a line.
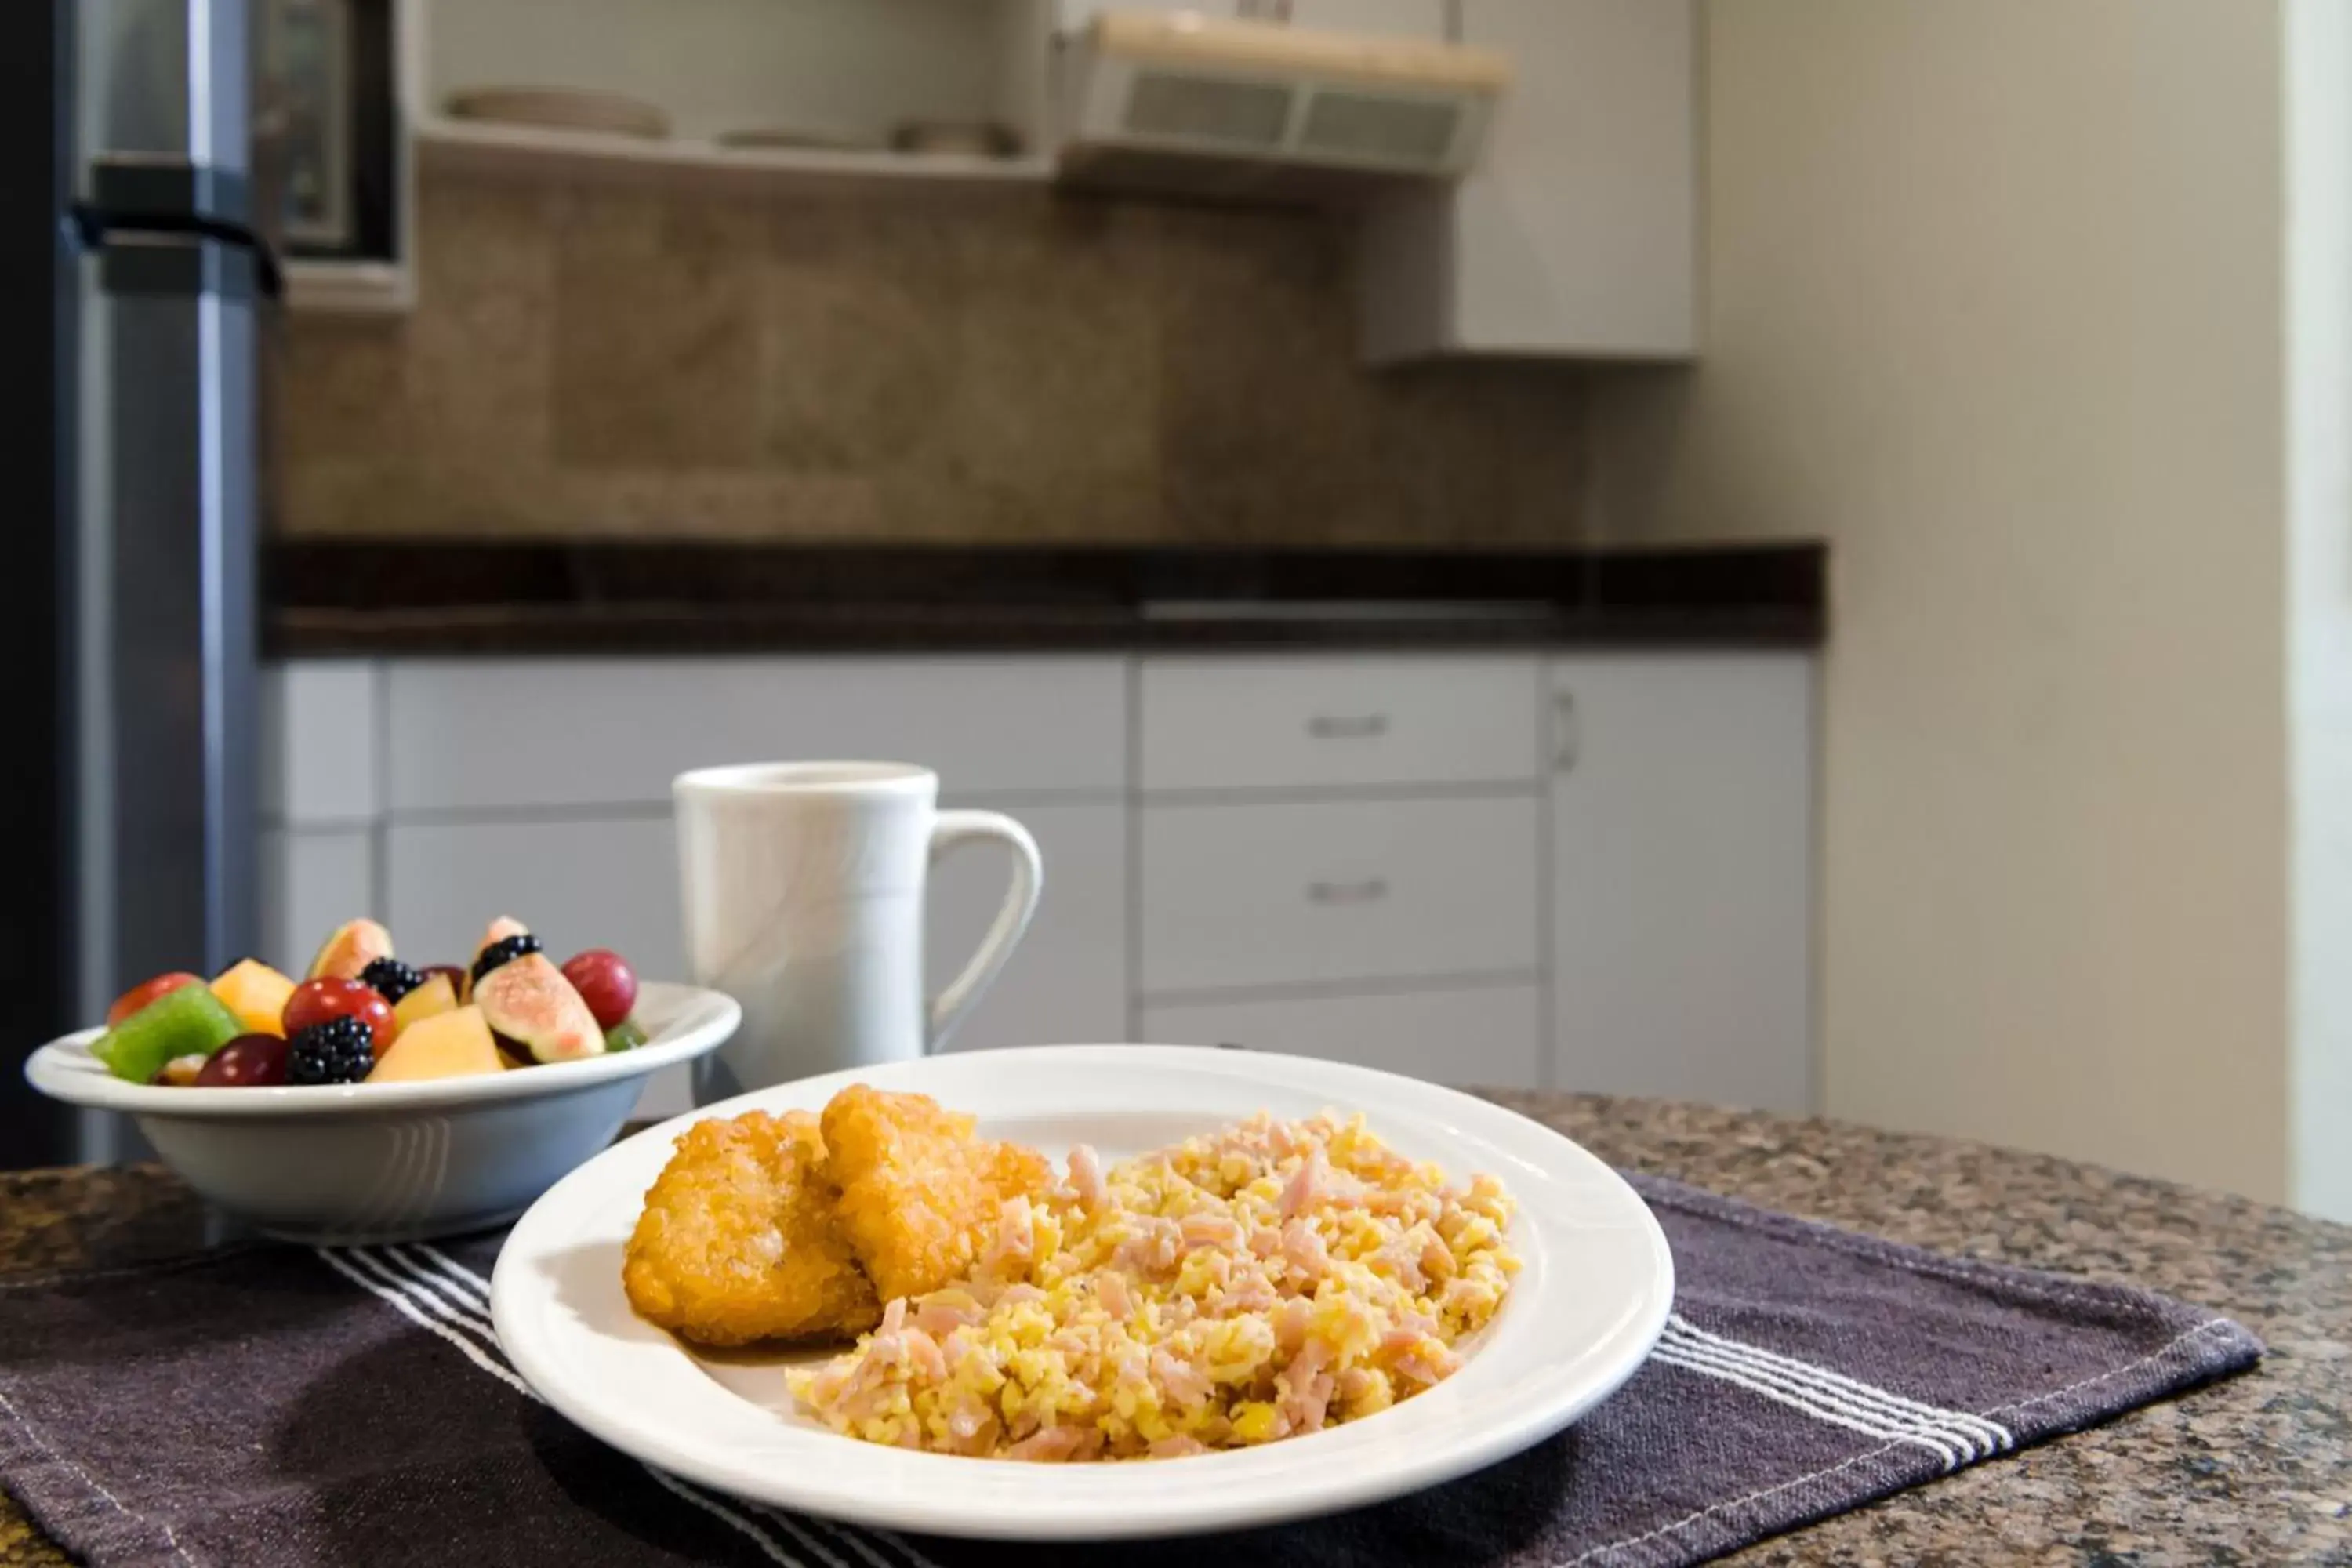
448 1044
430 1000
257 994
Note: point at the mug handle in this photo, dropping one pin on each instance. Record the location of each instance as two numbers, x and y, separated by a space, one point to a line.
949 831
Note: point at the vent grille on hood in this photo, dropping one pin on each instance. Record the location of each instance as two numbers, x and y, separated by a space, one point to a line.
1201 105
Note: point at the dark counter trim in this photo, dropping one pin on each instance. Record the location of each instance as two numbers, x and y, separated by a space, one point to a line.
422 599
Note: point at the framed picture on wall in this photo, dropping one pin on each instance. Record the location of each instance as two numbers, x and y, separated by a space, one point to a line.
332 110
311 42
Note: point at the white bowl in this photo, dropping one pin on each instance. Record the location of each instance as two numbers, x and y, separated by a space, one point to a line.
393 1162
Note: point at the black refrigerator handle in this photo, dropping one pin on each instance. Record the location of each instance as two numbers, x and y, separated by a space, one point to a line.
136 198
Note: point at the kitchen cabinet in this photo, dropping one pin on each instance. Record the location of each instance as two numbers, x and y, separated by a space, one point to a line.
1331 891
1383 18
1379 18
1363 721
474 735
312 879
611 880
1067 983
1588 871
1577 235
1682 849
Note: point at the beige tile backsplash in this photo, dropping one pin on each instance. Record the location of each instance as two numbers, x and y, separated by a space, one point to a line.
999 366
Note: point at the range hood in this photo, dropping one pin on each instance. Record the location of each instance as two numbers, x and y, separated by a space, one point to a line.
1219 106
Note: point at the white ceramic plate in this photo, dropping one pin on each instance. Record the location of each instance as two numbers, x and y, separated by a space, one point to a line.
1581 1317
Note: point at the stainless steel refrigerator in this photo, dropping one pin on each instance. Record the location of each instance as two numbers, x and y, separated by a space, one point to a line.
133 281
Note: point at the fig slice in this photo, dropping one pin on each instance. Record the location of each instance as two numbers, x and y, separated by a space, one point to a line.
527 1000
354 945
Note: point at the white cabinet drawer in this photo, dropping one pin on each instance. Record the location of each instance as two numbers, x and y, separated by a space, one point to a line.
475 733
1067 984
579 883
320 725
1334 890
312 880
1489 1036
1319 723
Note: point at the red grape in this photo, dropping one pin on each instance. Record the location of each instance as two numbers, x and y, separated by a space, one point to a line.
316 1001
138 995
246 1060
605 982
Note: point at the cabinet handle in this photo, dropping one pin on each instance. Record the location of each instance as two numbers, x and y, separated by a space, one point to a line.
1568 734
1348 727
1371 889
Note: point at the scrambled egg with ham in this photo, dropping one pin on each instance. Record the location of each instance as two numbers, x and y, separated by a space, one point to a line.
1264 1282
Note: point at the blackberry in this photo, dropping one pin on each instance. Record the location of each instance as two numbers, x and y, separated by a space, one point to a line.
506 949
341 1050
391 979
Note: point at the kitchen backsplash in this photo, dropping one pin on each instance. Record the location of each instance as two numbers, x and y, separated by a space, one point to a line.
1001 366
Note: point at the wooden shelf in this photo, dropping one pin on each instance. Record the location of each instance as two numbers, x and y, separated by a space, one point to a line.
463 147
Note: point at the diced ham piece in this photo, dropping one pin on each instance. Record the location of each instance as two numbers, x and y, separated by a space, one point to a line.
1151 1250
924 1357
1299 1397
1210 1230
1305 1188
1182 1382
1290 1326
1431 1363
1016 1237
944 1311
1303 1248
1087 1176
1057 1442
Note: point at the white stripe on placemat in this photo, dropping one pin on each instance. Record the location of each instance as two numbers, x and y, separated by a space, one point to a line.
438 1271
451 1301
1983 1436
1955 1437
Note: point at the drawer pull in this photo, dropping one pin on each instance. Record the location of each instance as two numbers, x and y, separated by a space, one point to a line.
1348 727
1568 734
1371 889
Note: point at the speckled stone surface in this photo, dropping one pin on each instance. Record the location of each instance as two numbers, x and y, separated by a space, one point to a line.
2255 1470
587 361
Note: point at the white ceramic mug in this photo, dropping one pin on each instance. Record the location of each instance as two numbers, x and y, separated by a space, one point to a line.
805 890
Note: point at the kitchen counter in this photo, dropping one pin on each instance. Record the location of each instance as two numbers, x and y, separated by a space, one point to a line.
370 598
2258 1468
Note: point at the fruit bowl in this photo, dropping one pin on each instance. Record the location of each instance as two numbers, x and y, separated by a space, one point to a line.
393 1162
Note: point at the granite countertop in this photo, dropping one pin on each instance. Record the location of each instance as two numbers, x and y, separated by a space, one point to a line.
362 598
2256 1469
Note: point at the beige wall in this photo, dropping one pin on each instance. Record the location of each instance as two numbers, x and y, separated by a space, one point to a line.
1995 303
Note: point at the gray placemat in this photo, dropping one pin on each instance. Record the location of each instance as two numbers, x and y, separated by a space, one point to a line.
280 1406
